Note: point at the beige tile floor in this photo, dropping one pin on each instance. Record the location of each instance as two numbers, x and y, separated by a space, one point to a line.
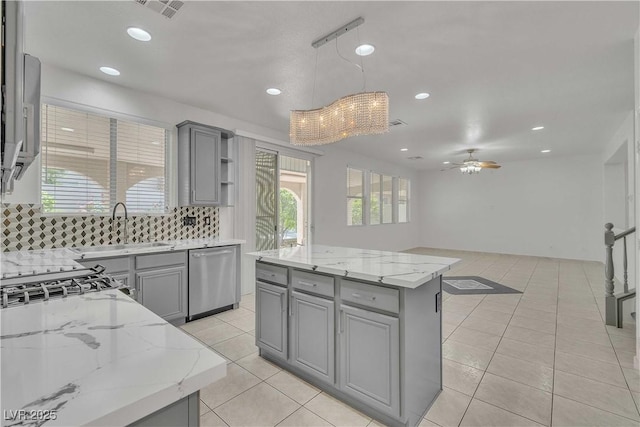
543 357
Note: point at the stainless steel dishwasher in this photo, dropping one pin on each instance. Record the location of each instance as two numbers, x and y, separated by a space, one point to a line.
213 280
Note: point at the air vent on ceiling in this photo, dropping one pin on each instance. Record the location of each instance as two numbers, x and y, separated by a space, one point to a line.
396 122
167 8
415 158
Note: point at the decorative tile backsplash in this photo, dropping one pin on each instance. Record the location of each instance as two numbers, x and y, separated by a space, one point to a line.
24 227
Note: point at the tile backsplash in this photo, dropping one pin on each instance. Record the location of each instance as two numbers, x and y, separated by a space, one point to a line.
25 227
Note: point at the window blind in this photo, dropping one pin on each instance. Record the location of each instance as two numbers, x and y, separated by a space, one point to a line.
141 167
355 196
75 161
90 162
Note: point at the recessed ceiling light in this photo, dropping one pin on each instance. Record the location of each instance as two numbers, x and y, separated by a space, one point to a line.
545 151
155 142
445 163
68 129
274 91
365 49
139 34
110 71
538 128
422 95
404 149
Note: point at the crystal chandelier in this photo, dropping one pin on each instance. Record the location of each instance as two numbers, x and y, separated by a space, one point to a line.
364 113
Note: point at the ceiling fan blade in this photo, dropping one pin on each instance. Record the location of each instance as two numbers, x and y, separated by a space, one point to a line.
485 166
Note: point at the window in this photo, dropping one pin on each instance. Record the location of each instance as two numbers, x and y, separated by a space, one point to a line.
381 199
403 200
387 198
355 196
90 162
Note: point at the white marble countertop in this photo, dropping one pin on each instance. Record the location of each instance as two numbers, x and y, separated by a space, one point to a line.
98 359
47 260
391 268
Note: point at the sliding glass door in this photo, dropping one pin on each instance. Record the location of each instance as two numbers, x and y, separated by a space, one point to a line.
282 200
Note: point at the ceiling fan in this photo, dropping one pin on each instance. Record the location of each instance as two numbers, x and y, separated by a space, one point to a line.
470 166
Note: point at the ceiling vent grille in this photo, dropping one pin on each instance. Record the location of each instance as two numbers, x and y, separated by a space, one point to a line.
167 8
396 123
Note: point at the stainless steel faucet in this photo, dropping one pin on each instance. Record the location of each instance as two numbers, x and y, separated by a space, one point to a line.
126 218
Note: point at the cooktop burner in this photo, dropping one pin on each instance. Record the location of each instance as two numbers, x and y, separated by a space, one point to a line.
26 289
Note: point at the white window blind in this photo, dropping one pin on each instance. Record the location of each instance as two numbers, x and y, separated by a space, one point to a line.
90 162
141 167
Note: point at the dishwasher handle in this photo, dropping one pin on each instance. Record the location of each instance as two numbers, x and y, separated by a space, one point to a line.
213 253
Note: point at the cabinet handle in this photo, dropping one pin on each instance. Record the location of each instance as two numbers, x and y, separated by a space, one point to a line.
201 254
361 297
290 305
283 302
303 283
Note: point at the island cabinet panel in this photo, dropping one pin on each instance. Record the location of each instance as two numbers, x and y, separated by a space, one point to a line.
370 358
312 335
271 319
164 291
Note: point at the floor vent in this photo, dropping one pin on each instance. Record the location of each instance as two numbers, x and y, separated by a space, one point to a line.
167 8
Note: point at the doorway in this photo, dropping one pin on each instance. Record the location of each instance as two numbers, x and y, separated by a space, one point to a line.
283 208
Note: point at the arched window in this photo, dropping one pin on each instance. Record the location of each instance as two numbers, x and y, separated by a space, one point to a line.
147 195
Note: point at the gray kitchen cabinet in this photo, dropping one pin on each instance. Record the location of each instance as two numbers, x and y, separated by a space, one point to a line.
312 335
203 165
164 291
271 319
369 358
375 346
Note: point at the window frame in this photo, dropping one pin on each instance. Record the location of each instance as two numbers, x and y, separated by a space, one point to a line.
364 198
367 197
169 163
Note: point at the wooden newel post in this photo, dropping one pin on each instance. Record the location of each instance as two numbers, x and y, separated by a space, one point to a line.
609 240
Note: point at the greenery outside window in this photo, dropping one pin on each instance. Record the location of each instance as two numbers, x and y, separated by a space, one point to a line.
90 162
355 196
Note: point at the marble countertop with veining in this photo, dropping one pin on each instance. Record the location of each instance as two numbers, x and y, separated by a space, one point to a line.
48 260
392 268
98 359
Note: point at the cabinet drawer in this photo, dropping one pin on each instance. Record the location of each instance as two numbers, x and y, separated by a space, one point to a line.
313 282
111 265
160 260
271 273
370 295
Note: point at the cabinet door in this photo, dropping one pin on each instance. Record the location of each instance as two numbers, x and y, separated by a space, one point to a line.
164 291
369 358
312 335
271 319
205 167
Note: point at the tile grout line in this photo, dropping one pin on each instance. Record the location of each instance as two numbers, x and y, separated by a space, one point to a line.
494 352
637 405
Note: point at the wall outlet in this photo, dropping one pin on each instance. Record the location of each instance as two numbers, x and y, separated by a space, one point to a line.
189 221
207 220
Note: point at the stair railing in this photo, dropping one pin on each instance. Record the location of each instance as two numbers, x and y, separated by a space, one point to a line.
613 303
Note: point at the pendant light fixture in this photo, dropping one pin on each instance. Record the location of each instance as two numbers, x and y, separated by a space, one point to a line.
364 113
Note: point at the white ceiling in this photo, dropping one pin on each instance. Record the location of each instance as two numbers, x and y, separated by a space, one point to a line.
493 69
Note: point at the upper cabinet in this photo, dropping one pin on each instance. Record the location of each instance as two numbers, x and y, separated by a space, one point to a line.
206 168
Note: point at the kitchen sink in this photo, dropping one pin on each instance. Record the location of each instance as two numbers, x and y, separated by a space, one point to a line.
128 246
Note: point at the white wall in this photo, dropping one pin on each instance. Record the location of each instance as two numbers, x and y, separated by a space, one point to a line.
330 204
545 207
636 145
59 85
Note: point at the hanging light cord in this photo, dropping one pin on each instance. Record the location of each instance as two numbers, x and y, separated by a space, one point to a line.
361 67
315 74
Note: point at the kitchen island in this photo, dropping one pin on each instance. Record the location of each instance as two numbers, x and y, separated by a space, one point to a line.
362 325
100 359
